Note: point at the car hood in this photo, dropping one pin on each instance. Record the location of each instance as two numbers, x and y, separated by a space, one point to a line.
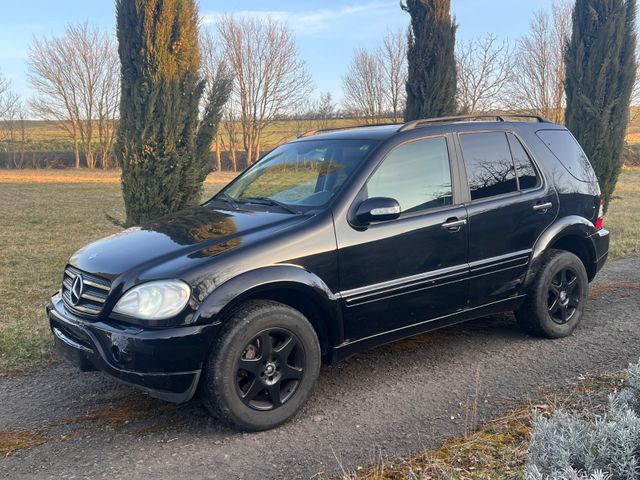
198 232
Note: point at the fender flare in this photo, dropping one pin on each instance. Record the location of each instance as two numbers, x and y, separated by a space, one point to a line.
275 277
570 225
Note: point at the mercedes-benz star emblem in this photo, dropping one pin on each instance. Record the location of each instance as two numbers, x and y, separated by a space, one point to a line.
76 290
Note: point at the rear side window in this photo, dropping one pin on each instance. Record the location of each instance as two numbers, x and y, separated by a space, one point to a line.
527 174
567 150
416 174
490 169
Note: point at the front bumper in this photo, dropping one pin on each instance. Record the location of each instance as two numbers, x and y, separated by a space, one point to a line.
165 362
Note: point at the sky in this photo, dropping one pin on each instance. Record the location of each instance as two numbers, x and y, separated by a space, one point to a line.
327 32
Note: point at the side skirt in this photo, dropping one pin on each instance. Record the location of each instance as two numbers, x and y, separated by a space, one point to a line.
350 348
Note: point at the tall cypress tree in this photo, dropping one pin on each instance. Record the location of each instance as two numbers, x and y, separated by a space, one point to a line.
431 81
600 72
162 146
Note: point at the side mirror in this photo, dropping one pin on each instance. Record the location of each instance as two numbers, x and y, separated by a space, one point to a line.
378 209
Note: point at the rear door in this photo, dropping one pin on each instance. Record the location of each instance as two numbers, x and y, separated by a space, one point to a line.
510 206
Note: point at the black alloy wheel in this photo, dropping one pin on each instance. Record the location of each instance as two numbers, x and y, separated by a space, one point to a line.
564 296
262 367
270 369
557 296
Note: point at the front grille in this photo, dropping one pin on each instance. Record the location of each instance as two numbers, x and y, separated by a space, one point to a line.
94 292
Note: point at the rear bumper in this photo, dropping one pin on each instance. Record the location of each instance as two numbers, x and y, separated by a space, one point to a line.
600 241
165 362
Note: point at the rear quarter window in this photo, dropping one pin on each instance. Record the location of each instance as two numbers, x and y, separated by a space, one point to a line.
569 153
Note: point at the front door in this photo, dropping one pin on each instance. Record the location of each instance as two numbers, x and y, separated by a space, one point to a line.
510 207
405 271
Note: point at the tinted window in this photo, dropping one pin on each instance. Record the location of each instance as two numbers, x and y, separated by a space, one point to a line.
416 174
489 165
527 175
566 149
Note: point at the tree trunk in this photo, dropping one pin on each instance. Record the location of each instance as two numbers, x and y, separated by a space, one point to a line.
77 153
218 157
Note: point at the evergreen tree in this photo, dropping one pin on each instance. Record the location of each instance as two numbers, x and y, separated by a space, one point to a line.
162 146
431 81
600 73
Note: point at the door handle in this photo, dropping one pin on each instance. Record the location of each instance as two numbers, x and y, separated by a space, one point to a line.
454 224
542 207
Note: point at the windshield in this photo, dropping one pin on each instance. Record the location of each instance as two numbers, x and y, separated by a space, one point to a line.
300 174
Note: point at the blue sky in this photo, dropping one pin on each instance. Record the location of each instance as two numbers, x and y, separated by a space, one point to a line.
327 31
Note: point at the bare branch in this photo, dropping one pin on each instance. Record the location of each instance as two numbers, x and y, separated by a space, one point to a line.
539 70
484 71
76 80
364 86
270 77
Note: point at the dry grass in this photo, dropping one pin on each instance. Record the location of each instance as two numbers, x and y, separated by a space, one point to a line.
623 217
87 176
497 450
604 288
16 439
42 225
47 215
135 406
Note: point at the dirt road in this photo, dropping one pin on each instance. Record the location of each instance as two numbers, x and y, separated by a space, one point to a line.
396 399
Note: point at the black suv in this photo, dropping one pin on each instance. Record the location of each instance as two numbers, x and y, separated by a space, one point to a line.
337 242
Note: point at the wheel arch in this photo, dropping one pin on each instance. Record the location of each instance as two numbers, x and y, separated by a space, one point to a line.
571 234
288 284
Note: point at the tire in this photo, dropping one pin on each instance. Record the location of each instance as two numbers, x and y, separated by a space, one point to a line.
558 296
280 353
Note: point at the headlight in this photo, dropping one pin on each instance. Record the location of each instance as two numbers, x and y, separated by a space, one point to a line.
154 300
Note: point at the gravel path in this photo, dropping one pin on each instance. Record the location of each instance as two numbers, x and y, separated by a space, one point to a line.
396 399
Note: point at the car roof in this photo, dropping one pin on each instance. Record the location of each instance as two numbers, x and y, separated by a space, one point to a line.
384 131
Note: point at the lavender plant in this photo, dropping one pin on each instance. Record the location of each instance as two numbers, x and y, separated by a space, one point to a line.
571 446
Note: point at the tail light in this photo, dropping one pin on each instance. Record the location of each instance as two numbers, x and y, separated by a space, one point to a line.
600 219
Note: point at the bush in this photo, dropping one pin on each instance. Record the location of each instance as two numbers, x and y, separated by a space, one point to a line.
571 446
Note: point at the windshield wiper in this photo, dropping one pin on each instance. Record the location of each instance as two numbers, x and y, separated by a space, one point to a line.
225 197
268 201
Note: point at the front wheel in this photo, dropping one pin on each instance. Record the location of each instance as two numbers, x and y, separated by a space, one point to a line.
556 302
263 368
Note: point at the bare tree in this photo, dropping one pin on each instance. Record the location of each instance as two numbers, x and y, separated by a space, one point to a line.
364 86
484 71
324 110
8 98
393 55
76 80
269 76
538 81
635 94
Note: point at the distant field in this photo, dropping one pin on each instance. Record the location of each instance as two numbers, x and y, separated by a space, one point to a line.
43 135
41 132
47 215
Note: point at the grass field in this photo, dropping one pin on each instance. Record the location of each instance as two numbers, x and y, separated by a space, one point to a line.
49 136
46 136
47 215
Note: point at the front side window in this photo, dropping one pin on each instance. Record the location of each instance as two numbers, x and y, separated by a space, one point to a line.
416 174
489 165
305 174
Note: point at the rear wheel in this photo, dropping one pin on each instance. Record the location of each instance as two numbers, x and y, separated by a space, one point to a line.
556 302
263 368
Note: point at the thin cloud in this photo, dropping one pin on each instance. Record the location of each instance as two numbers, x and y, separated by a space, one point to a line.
311 22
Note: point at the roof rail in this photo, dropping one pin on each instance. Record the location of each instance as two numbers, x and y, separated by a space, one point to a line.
310 133
457 118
